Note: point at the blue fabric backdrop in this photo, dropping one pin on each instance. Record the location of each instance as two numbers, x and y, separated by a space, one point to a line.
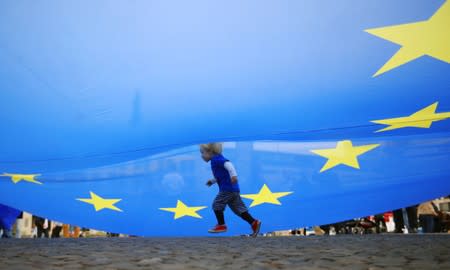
113 98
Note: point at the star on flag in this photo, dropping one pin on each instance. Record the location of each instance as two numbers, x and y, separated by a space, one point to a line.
182 210
421 119
344 153
100 203
23 177
417 39
265 195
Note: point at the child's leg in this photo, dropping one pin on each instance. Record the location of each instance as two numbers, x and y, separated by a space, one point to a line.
219 205
219 216
247 217
239 208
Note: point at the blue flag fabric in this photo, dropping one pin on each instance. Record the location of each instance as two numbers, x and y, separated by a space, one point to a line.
8 217
329 110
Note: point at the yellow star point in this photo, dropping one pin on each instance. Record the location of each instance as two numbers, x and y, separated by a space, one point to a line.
182 210
22 177
428 37
100 203
421 119
344 153
265 195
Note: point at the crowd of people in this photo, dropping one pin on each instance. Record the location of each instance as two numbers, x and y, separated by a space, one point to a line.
421 218
426 217
12 225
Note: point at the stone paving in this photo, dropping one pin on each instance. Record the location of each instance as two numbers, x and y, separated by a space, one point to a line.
386 251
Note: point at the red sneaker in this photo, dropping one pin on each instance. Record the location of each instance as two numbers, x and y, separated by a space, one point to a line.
256 225
218 229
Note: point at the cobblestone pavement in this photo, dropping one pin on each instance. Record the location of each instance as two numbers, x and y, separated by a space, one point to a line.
386 251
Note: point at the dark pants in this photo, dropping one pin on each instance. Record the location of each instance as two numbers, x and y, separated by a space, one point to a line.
398 219
427 222
411 212
412 217
41 230
379 221
56 231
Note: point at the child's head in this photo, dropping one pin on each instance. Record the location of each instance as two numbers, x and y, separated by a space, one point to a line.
208 150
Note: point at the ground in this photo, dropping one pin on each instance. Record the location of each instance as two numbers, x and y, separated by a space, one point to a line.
385 251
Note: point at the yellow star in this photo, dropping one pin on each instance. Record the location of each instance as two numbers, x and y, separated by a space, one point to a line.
25 177
265 195
344 153
182 210
421 119
430 37
99 203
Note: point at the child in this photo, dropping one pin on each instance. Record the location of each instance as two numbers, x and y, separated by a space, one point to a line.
226 178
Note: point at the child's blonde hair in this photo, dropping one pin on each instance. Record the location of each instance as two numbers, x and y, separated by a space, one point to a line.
215 148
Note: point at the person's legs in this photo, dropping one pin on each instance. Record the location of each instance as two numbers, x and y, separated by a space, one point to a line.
238 207
398 220
437 224
220 217
427 222
40 230
56 231
379 222
412 217
19 226
247 217
6 233
422 222
430 222
218 206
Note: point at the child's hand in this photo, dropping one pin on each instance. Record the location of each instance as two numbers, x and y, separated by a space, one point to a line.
234 179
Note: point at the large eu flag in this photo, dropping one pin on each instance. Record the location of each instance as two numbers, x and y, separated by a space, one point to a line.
330 110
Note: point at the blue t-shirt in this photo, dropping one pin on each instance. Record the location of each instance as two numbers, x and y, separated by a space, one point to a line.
221 174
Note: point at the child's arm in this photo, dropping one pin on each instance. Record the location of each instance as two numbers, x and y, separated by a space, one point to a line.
211 182
232 171
234 179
